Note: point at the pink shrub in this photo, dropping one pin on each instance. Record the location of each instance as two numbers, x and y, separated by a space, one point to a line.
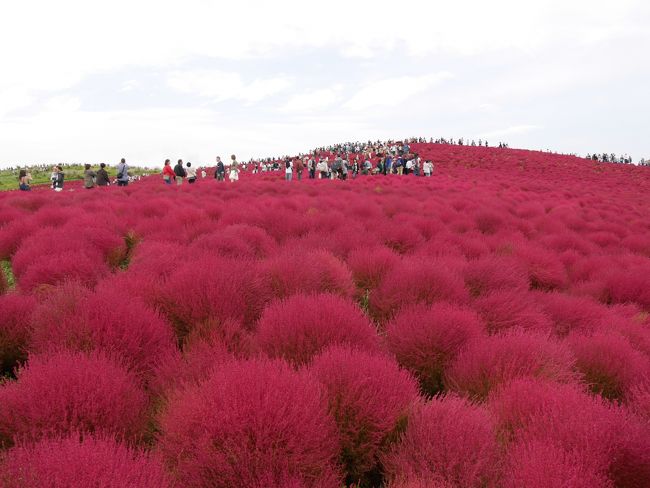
609 363
416 281
508 309
489 362
66 392
545 271
488 221
400 237
369 398
237 241
572 314
15 311
628 285
251 424
210 291
300 271
491 273
538 464
569 419
109 321
71 462
369 265
298 328
426 340
68 266
448 439
639 400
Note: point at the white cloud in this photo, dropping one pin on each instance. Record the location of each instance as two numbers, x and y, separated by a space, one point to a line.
510 131
314 100
394 91
220 85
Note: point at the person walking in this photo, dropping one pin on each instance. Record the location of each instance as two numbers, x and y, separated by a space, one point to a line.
191 173
311 166
89 177
220 171
122 173
168 173
24 180
288 172
102 176
180 173
234 169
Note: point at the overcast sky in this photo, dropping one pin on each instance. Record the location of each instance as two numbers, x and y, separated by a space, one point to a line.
87 81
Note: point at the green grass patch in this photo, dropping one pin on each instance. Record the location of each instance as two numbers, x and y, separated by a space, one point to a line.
5 266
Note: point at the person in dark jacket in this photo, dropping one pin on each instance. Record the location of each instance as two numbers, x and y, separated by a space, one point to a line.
102 176
220 172
180 172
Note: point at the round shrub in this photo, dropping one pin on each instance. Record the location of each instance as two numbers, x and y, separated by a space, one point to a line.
369 397
426 339
571 314
417 281
66 392
237 241
298 328
15 311
491 273
545 270
74 462
609 363
489 362
539 464
71 318
208 291
293 272
448 439
68 266
252 423
503 310
369 265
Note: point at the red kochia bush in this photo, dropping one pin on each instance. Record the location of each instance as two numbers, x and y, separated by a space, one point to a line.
611 366
489 362
539 464
545 271
491 273
426 339
448 439
208 291
298 328
417 280
571 314
508 309
369 397
369 265
72 318
67 392
296 271
71 462
251 424
65 266
15 311
566 417
237 241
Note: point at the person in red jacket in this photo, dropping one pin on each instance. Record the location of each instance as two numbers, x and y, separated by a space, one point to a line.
168 173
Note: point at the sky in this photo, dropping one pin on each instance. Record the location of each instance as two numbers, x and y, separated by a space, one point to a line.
86 81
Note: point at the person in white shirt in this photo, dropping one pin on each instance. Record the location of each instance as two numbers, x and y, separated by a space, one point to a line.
428 168
288 172
191 173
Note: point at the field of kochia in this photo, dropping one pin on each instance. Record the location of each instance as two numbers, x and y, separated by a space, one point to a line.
486 327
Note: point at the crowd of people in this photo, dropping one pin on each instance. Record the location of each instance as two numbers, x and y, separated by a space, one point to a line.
337 161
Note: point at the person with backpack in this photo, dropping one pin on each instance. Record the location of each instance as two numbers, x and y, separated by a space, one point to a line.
89 177
288 172
191 173
24 179
102 176
122 173
168 173
180 172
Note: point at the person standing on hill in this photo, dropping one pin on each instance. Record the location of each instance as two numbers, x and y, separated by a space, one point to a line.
180 173
311 166
122 173
191 173
299 167
57 178
220 171
89 177
288 172
102 176
24 179
234 169
168 173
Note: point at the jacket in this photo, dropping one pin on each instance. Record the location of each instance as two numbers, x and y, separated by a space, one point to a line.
180 171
